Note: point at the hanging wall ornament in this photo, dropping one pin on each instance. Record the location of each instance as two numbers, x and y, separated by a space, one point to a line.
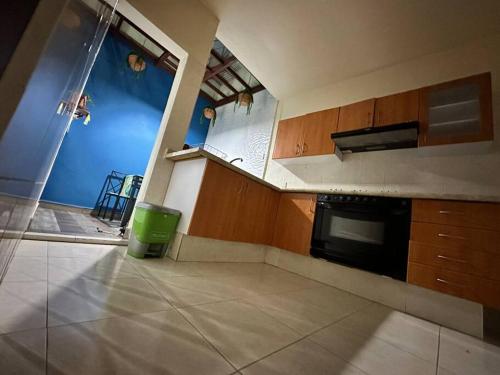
210 114
136 62
244 99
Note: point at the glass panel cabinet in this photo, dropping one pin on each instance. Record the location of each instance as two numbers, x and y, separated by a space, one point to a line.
456 112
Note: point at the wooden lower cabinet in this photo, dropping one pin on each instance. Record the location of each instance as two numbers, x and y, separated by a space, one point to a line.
459 284
294 222
256 213
233 207
216 209
460 259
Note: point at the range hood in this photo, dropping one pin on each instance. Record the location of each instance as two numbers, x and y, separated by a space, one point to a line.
376 138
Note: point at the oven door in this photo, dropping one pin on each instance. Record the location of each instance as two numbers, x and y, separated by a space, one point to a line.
351 234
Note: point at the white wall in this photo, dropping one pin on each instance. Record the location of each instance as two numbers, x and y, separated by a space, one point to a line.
456 171
248 137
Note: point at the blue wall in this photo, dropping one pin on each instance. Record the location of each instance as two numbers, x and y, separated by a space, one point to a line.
126 111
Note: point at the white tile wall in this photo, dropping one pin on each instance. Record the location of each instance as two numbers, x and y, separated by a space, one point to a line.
245 136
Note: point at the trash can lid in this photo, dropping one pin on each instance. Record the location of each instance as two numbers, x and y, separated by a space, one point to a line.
155 207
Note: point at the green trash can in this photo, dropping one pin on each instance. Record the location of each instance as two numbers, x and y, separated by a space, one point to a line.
153 229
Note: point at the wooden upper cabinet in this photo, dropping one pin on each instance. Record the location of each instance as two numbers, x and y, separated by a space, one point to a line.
288 138
456 112
397 108
317 130
294 222
356 116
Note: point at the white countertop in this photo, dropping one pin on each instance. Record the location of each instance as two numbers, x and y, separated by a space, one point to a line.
199 152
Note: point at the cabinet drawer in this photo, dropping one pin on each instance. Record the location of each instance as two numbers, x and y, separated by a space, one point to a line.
444 281
484 291
459 238
477 263
463 214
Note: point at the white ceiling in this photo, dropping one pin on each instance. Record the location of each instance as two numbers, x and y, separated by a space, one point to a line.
295 45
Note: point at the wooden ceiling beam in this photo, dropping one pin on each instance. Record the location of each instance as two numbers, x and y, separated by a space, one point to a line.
208 97
216 89
219 68
231 98
230 70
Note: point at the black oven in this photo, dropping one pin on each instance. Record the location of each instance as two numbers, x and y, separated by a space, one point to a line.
370 233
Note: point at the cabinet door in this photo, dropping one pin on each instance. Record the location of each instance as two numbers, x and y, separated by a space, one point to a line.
288 138
317 128
356 116
294 222
396 109
456 112
256 213
216 208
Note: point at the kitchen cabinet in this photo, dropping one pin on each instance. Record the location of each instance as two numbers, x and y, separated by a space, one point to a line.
288 138
317 130
455 249
257 208
356 116
306 135
216 208
456 112
294 222
233 207
396 109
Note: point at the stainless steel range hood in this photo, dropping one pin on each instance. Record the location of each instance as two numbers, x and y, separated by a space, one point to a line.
376 138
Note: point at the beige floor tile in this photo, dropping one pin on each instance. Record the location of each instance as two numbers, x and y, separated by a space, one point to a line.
271 282
335 302
23 305
463 354
29 248
157 343
27 269
84 299
64 269
301 317
183 291
303 357
23 353
79 250
232 269
414 335
240 331
370 354
162 268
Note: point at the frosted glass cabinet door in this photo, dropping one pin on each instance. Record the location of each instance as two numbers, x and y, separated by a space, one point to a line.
456 112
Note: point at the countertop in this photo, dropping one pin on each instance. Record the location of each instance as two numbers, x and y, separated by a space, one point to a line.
199 152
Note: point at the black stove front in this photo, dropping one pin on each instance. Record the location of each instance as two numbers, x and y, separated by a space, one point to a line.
370 233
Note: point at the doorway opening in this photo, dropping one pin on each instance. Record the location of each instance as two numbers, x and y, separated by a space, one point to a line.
97 174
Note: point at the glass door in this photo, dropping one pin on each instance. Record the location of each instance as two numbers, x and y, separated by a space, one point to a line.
30 143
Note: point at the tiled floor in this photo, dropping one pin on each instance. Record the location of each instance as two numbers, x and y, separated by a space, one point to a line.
65 221
68 308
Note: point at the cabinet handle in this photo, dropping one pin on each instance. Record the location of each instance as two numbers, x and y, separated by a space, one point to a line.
305 147
444 257
297 150
443 235
449 282
446 212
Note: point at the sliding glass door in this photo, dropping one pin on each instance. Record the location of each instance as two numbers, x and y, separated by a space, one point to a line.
32 138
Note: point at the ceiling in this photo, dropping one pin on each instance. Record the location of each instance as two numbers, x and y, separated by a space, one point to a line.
296 45
225 76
